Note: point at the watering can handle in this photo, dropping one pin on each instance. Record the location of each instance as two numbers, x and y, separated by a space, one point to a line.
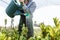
15 1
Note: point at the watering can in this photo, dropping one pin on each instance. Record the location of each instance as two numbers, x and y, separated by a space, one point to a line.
12 7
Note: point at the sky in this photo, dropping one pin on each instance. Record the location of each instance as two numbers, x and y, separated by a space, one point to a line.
46 14
39 3
45 11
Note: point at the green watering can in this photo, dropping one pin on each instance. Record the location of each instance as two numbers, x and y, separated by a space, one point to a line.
12 7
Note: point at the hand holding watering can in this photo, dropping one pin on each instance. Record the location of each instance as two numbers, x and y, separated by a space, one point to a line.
13 7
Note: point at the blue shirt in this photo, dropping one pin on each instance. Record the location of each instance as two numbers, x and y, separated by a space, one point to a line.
30 7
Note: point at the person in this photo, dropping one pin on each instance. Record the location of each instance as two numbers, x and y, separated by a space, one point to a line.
29 7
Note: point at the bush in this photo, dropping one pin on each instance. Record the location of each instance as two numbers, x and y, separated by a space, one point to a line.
47 32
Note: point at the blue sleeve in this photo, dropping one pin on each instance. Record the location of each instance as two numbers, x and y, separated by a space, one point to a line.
32 7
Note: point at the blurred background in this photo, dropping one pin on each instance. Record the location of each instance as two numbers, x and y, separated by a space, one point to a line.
45 11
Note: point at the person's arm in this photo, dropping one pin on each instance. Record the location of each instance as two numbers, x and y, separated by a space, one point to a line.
31 8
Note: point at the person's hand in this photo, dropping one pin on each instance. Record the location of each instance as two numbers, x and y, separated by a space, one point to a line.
21 0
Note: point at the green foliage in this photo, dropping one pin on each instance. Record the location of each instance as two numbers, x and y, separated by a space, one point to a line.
47 32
